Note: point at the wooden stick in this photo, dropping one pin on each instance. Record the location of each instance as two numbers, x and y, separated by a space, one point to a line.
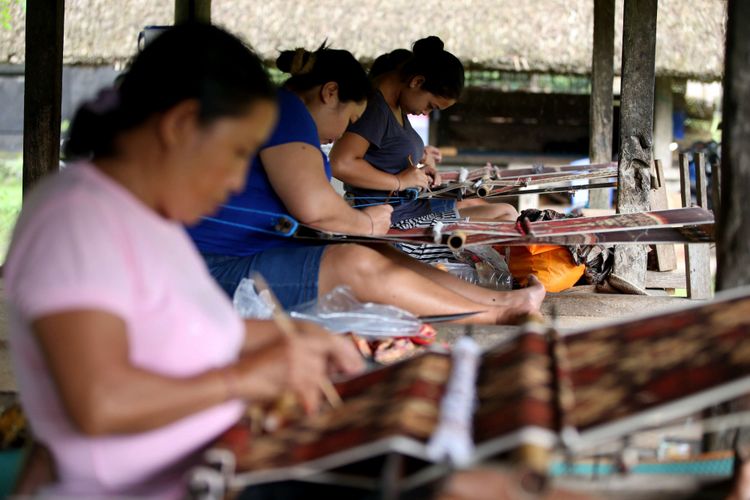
286 325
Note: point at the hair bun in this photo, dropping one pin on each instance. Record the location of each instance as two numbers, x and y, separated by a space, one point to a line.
427 46
296 62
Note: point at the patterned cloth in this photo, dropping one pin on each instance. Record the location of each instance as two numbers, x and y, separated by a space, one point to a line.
423 252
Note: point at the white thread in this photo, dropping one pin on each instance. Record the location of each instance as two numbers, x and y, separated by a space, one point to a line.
437 232
452 440
463 174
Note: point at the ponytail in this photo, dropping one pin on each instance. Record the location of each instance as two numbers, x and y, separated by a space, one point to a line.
310 69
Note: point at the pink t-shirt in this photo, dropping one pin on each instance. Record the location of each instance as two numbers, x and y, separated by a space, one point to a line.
84 242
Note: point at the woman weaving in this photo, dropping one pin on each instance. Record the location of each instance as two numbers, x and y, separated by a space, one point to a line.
327 91
129 358
377 154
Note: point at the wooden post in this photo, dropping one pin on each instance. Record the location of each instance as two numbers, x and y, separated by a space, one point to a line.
698 255
600 111
733 243
666 260
192 10
716 193
42 89
636 132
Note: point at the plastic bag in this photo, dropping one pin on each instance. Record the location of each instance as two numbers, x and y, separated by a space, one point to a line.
341 312
460 270
481 266
552 264
249 304
492 270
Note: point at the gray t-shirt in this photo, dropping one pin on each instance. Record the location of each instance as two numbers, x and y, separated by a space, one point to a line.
391 145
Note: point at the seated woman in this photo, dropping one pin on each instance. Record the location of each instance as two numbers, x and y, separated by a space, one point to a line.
376 155
129 358
328 90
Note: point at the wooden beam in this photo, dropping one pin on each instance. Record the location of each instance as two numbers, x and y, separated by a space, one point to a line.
733 243
716 193
665 280
636 132
603 305
697 256
192 10
600 111
42 89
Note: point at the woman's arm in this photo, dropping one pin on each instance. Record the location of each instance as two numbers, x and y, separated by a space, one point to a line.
296 173
259 333
349 166
103 393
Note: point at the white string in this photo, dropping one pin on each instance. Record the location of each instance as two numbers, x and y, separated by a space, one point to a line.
452 440
437 232
463 174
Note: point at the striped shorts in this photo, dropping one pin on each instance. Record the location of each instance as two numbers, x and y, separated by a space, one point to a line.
422 251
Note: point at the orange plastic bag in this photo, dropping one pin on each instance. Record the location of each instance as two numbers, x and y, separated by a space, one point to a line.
552 264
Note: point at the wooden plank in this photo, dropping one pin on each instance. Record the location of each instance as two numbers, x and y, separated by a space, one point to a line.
666 260
600 110
42 89
716 193
669 280
697 256
733 244
610 306
636 132
701 191
685 193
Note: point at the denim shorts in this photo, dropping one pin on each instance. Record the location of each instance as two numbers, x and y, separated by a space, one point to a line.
420 208
291 272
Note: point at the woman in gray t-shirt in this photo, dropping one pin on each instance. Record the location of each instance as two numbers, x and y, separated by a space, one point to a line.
376 155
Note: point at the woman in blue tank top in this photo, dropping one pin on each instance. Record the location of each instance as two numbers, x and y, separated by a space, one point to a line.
327 91
377 153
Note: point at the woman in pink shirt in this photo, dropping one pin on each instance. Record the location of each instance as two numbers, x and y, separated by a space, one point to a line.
129 357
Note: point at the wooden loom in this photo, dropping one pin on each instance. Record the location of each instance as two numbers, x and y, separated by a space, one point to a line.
536 392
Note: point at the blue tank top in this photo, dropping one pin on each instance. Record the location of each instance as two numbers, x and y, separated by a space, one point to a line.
223 238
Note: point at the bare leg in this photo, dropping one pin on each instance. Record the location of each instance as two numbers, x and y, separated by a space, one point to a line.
479 210
532 295
470 202
374 277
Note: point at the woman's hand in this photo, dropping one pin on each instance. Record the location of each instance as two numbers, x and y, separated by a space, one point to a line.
413 177
380 218
433 173
432 156
299 365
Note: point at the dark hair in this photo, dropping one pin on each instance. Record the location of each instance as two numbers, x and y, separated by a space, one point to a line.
389 62
310 69
442 71
188 61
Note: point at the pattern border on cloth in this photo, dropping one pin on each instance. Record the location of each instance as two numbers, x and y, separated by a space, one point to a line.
425 252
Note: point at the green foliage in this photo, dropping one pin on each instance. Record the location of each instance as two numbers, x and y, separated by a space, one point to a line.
11 167
508 81
5 17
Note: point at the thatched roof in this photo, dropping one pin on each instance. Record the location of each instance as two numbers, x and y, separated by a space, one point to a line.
539 36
